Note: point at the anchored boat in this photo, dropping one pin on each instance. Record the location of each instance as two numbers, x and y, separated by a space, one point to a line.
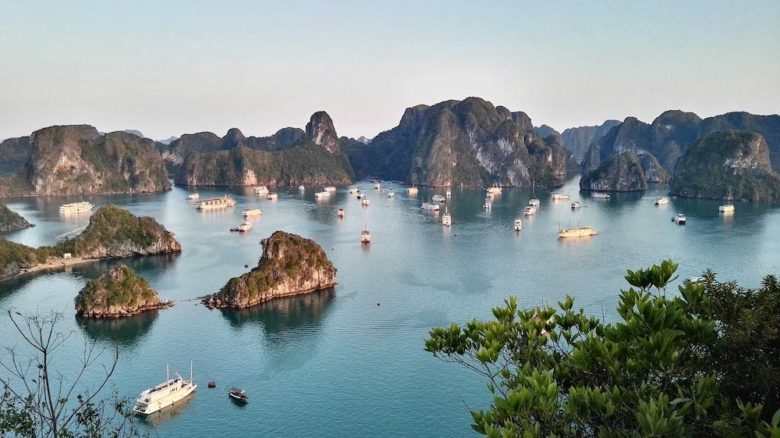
165 394
216 203
76 207
518 225
238 395
576 232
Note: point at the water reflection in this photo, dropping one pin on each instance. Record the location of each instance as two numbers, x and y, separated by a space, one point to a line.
127 332
167 414
148 266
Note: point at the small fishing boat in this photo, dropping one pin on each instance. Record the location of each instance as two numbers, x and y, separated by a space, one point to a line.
239 395
272 197
365 236
193 196
243 228
575 205
529 210
341 213
679 219
663 200
518 225
599 195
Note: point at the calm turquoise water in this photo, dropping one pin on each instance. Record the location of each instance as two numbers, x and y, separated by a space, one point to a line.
337 364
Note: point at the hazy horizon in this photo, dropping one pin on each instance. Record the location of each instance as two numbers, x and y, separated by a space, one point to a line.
182 67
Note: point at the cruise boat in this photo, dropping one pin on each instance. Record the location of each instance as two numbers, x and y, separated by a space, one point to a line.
495 190
438 198
76 207
726 208
238 395
390 194
679 219
272 196
261 190
529 210
301 188
412 191
365 236
364 202
576 232
193 196
576 204
243 228
252 212
340 213
430 206
518 225
165 394
599 195
322 195
216 203
330 189
534 203
446 219
560 196
663 200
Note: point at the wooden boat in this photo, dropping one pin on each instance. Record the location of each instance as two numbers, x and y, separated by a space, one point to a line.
252 212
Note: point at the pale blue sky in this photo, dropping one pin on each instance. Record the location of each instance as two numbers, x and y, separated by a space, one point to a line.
169 67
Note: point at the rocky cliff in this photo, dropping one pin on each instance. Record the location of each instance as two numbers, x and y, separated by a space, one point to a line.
727 164
469 142
11 221
77 159
619 173
290 265
290 157
577 140
15 257
117 293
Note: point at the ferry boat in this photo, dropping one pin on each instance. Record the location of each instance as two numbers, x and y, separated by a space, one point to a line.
529 210
495 190
430 206
272 196
663 200
322 195
261 190
726 208
390 194
577 232
365 236
576 204
165 394
518 225
252 212
364 202
340 213
679 219
238 395
534 203
193 196
330 189
599 195
412 191
216 203
560 196
438 198
360 195
446 219
76 207
243 228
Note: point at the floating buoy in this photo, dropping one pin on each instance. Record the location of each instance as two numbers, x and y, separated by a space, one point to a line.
377 304
212 384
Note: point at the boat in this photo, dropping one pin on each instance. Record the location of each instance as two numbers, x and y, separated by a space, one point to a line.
495 190
243 228
390 194
330 189
576 232
560 196
261 190
535 203
430 206
679 219
438 198
365 236
252 212
412 191
360 195
663 200
599 195
446 219
238 395
488 205
377 185
340 213
364 202
726 208
576 204
529 210
216 203
322 195
76 207
165 394
518 225
193 196
272 196
448 193
301 188
352 190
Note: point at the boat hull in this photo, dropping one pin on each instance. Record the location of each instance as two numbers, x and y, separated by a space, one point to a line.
161 403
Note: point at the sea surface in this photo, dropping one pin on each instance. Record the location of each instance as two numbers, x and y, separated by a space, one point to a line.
350 361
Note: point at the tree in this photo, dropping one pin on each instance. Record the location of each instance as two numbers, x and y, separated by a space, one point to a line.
562 373
39 401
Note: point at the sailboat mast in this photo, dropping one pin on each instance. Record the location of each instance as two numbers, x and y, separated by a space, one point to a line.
167 372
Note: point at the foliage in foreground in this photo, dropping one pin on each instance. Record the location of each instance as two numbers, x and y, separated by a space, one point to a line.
702 363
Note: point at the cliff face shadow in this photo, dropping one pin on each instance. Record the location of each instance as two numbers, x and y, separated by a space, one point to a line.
126 331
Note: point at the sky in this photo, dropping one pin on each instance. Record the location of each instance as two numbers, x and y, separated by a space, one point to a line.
172 67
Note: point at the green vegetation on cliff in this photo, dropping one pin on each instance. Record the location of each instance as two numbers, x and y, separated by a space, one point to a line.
10 220
727 164
620 173
118 292
15 257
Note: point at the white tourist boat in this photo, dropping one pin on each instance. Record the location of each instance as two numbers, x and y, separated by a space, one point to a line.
216 203
252 212
599 195
446 219
377 185
529 210
272 196
438 198
429 206
449 193
663 200
679 219
534 203
76 207
330 189
261 190
365 236
726 208
341 213
576 204
390 194
193 196
364 202
518 225
165 394
301 188
576 232
412 191
560 196
243 228
495 190
322 195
